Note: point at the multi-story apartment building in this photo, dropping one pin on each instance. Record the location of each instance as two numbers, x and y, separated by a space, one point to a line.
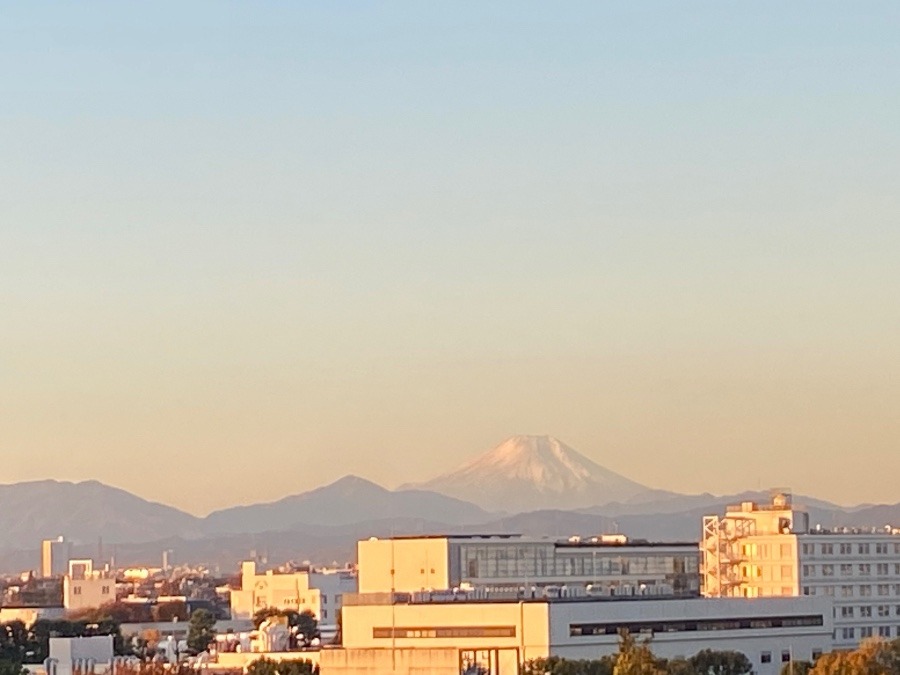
84 587
512 565
770 550
317 590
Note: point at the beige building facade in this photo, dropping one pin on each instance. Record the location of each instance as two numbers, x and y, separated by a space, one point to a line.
769 550
319 591
84 587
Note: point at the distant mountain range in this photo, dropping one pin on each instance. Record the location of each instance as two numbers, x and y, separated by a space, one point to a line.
536 486
534 472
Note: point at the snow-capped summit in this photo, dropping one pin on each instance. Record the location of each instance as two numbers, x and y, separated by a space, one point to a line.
526 473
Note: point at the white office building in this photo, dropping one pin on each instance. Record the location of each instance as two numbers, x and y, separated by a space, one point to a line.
514 566
770 550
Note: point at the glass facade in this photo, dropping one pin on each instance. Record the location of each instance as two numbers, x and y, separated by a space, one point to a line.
524 563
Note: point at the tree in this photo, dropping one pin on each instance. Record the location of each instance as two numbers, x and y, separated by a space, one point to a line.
262 614
796 668
709 662
555 665
169 611
201 630
307 626
873 657
680 666
12 668
262 667
634 658
296 667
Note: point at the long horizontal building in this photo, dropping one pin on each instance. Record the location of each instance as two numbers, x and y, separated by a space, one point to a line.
451 604
514 566
500 636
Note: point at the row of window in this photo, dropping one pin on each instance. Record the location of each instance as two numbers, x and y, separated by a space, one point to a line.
882 548
531 561
881 611
848 569
851 632
104 590
854 590
678 626
786 656
445 632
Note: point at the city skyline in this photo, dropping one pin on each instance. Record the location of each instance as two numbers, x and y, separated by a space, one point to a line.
379 241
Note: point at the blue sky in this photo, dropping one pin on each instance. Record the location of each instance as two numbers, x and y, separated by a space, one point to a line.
395 234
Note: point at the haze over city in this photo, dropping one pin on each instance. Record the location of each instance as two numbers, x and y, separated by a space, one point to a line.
245 253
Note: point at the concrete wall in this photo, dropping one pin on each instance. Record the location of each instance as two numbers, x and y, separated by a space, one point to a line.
240 660
67 652
399 661
90 592
418 564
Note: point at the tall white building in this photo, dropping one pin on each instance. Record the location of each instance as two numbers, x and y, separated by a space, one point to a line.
55 554
766 550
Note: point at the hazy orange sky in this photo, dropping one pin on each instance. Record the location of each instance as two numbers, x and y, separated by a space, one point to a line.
246 252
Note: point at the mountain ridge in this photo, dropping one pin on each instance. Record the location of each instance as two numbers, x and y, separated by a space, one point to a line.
532 472
326 521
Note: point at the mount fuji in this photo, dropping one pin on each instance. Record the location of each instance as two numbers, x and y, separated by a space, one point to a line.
527 473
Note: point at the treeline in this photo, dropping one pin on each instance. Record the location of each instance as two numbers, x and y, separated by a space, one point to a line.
873 657
19 644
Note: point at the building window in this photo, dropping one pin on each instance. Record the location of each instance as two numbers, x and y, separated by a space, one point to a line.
848 633
324 614
881 569
884 589
827 549
846 570
884 610
76 590
105 590
881 549
865 591
884 631
862 549
846 612
865 611
846 591
785 656
846 549
765 657
827 570
816 653
866 631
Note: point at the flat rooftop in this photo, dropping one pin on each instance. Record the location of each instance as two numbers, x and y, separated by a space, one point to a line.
583 542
